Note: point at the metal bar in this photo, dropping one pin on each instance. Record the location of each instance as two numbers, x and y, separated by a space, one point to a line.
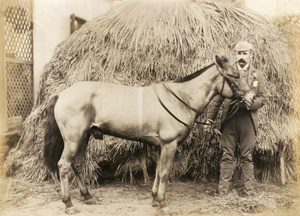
20 61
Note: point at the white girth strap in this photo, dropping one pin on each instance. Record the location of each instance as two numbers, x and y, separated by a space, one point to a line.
140 111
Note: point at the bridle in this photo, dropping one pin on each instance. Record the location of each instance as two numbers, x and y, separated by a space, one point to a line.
233 87
226 78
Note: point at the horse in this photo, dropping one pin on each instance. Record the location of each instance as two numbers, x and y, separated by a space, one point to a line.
162 114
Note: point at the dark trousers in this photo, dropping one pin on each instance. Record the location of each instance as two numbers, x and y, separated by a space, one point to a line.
239 129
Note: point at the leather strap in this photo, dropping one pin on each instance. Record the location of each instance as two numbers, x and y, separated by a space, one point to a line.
163 105
140 110
175 95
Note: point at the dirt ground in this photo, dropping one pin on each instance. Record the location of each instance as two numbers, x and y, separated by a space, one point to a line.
19 197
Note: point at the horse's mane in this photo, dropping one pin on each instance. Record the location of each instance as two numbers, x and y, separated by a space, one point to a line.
194 75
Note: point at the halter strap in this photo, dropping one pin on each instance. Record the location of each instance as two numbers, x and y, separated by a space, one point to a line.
163 105
223 85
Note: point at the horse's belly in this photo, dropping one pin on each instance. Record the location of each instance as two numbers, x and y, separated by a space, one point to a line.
118 128
117 118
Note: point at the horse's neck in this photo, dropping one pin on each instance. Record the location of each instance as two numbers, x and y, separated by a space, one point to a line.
199 91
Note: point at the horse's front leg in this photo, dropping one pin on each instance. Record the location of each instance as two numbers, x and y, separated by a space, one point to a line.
155 202
166 159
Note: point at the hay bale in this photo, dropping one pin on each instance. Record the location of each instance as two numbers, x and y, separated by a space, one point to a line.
131 46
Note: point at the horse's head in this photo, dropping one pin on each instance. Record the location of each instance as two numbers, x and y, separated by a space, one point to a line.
231 85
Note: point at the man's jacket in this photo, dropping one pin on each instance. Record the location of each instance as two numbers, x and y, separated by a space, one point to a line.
257 84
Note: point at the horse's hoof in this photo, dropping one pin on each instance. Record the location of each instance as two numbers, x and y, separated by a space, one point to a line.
164 211
163 204
71 210
155 203
91 201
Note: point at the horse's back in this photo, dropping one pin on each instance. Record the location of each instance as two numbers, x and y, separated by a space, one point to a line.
96 103
118 110
98 94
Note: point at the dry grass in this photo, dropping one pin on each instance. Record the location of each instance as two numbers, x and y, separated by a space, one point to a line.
131 46
184 198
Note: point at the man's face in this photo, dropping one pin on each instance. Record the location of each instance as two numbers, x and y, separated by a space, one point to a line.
243 57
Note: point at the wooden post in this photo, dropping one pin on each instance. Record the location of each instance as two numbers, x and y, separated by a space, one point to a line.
282 166
3 87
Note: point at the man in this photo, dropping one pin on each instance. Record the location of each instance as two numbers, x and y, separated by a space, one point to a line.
239 122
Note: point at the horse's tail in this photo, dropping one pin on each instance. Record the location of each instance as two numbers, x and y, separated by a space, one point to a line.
53 141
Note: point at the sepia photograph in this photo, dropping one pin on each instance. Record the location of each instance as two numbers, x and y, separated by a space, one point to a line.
149 107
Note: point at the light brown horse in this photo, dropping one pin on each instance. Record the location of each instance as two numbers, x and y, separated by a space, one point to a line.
162 114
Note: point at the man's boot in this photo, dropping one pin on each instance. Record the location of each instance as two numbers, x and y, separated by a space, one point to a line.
225 182
248 178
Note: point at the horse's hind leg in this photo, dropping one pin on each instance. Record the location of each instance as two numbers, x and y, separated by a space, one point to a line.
64 166
73 145
78 171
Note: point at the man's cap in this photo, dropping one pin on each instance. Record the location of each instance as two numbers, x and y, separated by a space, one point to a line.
243 46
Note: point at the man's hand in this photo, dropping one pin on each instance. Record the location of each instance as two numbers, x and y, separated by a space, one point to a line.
208 126
248 99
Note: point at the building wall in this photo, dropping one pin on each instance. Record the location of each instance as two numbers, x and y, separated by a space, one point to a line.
51 20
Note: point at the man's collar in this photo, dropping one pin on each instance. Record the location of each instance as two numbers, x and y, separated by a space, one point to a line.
243 68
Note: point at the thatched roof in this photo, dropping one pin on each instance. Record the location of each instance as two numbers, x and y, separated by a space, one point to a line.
141 42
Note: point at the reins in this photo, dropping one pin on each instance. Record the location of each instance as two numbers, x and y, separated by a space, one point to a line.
176 96
198 113
191 108
163 105
232 86
226 79
223 108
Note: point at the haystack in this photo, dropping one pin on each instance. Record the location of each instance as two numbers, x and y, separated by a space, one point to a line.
138 43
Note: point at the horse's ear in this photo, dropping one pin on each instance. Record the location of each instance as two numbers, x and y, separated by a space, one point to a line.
219 62
224 59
